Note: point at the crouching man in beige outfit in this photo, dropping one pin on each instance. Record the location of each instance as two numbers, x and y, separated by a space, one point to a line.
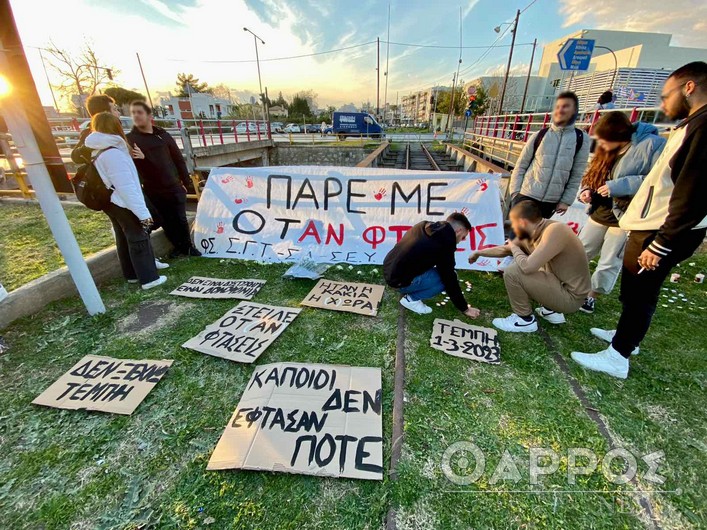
549 266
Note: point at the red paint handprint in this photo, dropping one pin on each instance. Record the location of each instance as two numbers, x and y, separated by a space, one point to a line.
574 226
465 211
219 228
380 194
240 201
483 185
227 179
249 182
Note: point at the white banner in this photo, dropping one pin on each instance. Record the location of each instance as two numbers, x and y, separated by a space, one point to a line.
339 214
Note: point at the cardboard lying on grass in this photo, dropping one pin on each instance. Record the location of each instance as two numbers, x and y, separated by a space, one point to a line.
460 339
360 298
104 384
244 332
200 287
313 419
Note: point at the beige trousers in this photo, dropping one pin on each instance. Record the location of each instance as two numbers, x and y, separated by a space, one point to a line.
540 286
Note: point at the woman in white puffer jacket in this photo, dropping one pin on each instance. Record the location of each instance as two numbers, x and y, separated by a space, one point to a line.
128 213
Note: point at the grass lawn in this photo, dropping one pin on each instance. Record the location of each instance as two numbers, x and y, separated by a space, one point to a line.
76 469
27 247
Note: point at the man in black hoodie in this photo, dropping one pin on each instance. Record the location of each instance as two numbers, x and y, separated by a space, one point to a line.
164 176
421 264
81 154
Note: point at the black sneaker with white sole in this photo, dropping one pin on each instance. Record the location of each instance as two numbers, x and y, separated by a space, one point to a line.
588 305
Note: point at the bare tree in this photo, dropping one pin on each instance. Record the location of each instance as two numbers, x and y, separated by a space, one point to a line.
223 92
81 74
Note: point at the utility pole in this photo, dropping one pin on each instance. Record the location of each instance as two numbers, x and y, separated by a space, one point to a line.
257 60
25 103
451 103
527 79
387 56
455 80
46 74
378 76
149 97
510 58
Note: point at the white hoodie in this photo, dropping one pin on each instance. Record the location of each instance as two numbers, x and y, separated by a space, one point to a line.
117 170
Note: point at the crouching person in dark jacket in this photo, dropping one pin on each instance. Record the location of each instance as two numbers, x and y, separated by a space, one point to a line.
164 176
421 265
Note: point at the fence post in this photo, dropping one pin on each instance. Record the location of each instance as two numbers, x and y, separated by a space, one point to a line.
201 129
257 129
505 122
220 131
515 127
269 131
547 119
595 118
634 114
188 151
247 130
235 133
75 124
527 127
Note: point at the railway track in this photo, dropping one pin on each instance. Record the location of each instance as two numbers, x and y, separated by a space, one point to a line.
417 157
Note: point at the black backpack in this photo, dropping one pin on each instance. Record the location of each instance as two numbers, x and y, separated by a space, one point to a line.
89 187
542 132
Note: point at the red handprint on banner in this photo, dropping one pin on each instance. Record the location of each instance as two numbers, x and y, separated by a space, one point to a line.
227 179
380 194
249 182
483 184
219 227
465 211
240 201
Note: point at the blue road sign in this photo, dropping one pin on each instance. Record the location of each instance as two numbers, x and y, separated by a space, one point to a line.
467 113
576 54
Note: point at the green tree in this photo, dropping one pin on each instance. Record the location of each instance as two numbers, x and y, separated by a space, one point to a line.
123 96
481 104
299 107
460 100
194 85
281 101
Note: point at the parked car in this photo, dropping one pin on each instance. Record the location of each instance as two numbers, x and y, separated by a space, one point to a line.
356 124
125 121
277 126
310 128
252 127
292 128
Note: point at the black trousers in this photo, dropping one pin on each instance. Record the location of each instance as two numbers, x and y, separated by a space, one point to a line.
546 208
134 249
171 209
640 292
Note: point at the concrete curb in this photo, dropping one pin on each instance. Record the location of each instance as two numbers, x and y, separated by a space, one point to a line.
57 285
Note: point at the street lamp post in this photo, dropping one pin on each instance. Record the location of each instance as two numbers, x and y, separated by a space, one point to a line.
497 29
257 61
616 63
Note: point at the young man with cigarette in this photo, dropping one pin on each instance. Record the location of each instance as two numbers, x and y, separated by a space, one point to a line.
666 220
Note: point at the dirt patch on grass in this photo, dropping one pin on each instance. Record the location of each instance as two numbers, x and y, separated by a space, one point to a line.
659 414
418 517
151 316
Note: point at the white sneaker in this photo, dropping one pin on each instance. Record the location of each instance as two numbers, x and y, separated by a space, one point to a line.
158 281
416 306
608 361
161 265
607 335
553 317
135 280
515 324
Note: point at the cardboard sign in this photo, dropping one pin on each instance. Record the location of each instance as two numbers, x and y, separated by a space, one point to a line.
200 287
360 298
244 332
339 214
314 419
459 339
104 384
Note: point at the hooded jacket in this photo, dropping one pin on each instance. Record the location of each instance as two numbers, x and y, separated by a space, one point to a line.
671 199
554 174
630 170
424 246
116 168
163 169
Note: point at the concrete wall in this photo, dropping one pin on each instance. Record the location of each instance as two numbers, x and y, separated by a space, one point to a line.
303 155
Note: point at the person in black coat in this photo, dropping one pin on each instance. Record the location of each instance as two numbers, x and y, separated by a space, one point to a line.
164 176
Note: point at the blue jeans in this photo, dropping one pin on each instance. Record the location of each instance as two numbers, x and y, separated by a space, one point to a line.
424 286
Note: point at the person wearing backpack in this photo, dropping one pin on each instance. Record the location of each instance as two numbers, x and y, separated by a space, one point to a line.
550 167
127 209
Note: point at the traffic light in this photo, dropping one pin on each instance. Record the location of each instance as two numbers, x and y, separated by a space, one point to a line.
472 104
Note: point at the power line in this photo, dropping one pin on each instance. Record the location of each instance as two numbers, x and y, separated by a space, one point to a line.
454 47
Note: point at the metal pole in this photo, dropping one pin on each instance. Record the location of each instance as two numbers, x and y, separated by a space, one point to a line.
527 79
451 103
387 56
510 58
616 64
26 144
260 83
149 97
378 76
46 74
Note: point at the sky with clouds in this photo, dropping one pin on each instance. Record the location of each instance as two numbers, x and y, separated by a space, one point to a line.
206 38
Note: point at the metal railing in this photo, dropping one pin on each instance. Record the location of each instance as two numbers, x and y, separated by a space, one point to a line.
501 138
